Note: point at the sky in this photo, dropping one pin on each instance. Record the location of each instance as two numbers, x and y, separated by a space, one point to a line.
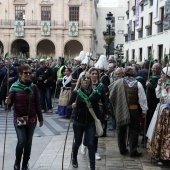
108 3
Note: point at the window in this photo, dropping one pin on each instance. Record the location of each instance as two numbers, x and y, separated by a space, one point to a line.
149 30
133 54
140 54
121 18
160 25
140 33
74 14
45 13
142 7
151 2
19 12
120 31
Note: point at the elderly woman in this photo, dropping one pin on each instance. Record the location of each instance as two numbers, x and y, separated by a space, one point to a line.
83 120
25 97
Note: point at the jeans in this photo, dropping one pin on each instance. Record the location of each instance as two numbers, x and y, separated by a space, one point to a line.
24 135
89 131
45 96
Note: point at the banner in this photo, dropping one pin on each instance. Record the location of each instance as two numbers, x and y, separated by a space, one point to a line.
137 14
155 8
45 27
73 28
19 28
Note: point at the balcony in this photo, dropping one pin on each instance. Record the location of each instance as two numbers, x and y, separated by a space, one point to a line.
37 23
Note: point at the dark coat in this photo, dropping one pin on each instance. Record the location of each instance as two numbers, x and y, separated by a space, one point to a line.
47 74
21 105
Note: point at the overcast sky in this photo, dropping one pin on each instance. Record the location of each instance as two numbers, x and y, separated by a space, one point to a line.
108 3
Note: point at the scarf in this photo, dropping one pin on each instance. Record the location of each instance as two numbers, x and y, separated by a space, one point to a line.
155 77
66 80
18 86
168 82
130 82
84 96
97 87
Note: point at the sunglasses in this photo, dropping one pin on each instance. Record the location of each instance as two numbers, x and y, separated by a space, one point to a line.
26 72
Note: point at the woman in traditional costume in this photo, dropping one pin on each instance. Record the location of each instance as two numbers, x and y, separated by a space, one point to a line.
159 130
65 93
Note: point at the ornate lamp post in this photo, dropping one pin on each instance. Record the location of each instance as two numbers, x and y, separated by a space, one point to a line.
108 35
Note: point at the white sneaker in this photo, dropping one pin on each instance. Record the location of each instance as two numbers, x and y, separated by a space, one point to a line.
83 149
97 156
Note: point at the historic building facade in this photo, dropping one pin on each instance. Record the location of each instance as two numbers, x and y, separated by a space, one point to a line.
147 29
47 27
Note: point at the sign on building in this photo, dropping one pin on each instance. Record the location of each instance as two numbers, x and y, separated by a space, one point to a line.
73 28
19 28
45 27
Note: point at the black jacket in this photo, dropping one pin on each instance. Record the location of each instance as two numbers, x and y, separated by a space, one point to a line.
46 74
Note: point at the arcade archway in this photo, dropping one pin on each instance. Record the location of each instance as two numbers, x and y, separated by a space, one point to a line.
19 47
73 48
46 48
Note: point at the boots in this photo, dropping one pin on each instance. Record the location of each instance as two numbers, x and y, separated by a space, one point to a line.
25 165
17 162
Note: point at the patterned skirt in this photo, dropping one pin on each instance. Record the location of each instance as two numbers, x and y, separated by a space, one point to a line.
160 145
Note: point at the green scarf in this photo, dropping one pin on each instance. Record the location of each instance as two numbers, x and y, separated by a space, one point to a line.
138 77
18 86
168 82
84 96
155 77
96 88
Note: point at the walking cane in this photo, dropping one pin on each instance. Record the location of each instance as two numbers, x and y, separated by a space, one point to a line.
6 124
67 136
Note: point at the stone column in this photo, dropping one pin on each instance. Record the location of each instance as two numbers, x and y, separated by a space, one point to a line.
32 46
60 45
60 11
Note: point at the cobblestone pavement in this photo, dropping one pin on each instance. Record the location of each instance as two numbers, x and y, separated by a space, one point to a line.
47 154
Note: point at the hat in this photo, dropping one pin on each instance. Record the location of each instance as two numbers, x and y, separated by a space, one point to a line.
77 58
102 63
129 71
165 71
42 60
82 55
87 59
48 58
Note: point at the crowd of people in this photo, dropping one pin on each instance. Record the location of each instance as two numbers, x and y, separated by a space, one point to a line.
136 97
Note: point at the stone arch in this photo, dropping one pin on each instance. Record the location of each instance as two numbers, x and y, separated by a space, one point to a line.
46 47
72 48
19 46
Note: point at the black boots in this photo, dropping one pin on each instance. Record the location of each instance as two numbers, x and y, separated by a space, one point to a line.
16 167
25 165
74 163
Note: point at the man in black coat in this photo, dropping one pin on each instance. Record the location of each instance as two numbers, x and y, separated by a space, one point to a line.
44 77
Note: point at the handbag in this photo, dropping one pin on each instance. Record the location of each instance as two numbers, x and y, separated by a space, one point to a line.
22 121
99 128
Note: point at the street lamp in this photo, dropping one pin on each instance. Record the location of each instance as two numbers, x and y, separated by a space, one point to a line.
108 35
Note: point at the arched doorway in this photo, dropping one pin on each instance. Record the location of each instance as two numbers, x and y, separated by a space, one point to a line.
73 48
46 48
1 49
19 47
